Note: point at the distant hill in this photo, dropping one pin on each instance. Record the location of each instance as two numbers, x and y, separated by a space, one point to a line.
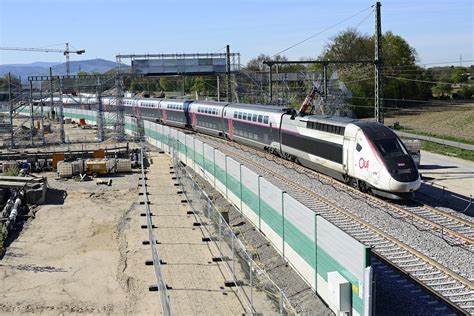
42 68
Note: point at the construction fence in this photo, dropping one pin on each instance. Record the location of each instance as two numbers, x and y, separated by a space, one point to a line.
333 263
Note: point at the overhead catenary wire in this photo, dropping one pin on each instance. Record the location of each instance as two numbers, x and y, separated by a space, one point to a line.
427 81
322 31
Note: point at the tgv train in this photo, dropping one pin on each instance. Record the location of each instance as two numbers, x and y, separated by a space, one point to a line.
366 155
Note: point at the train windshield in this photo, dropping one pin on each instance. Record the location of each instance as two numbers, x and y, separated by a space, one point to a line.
390 147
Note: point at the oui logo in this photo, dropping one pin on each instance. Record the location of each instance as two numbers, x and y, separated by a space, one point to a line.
363 164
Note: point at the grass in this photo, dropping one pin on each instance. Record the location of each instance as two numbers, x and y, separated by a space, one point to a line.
13 171
448 150
444 120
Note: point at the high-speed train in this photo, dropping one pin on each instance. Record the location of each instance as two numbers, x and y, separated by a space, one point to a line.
366 155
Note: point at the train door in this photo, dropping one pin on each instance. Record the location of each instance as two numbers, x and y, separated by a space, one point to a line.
194 120
231 128
187 115
348 154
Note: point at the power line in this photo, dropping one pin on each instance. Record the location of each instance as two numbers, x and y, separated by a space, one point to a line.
426 81
447 62
322 31
364 19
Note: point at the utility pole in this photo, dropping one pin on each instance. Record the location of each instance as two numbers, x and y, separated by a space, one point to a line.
379 117
184 86
51 94
120 110
32 119
100 112
270 84
325 80
218 89
61 113
10 101
227 69
42 112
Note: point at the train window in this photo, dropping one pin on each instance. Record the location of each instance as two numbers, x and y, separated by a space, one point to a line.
265 120
390 147
249 118
260 118
240 115
244 117
235 114
254 117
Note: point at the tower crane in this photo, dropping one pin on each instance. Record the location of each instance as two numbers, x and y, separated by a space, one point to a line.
65 52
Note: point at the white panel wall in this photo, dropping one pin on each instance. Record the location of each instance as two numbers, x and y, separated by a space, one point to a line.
271 222
233 182
250 183
299 232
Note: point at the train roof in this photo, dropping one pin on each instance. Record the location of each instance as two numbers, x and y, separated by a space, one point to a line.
375 130
334 120
259 107
212 103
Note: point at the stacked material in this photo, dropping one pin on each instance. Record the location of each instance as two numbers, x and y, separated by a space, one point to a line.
69 169
111 165
124 165
96 167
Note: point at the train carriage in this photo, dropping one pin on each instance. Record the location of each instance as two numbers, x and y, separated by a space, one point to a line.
206 117
316 142
254 125
173 112
367 155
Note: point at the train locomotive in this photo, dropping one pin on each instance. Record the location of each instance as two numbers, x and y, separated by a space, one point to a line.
366 155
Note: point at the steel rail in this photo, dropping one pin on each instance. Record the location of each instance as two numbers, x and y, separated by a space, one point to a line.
430 262
467 240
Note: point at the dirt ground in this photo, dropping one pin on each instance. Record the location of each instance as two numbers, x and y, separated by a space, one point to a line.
82 253
451 120
74 241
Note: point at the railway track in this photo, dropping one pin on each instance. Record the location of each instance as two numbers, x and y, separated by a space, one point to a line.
455 230
454 289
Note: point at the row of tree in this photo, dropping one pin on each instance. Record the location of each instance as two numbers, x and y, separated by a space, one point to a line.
404 82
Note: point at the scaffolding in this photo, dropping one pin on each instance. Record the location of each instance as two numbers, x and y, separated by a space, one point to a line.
27 112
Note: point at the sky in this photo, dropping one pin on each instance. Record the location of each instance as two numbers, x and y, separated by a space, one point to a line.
440 30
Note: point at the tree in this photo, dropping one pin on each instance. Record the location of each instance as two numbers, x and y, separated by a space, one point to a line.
466 92
15 86
399 62
459 75
256 64
144 84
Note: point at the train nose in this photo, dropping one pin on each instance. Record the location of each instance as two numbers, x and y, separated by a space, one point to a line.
398 186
